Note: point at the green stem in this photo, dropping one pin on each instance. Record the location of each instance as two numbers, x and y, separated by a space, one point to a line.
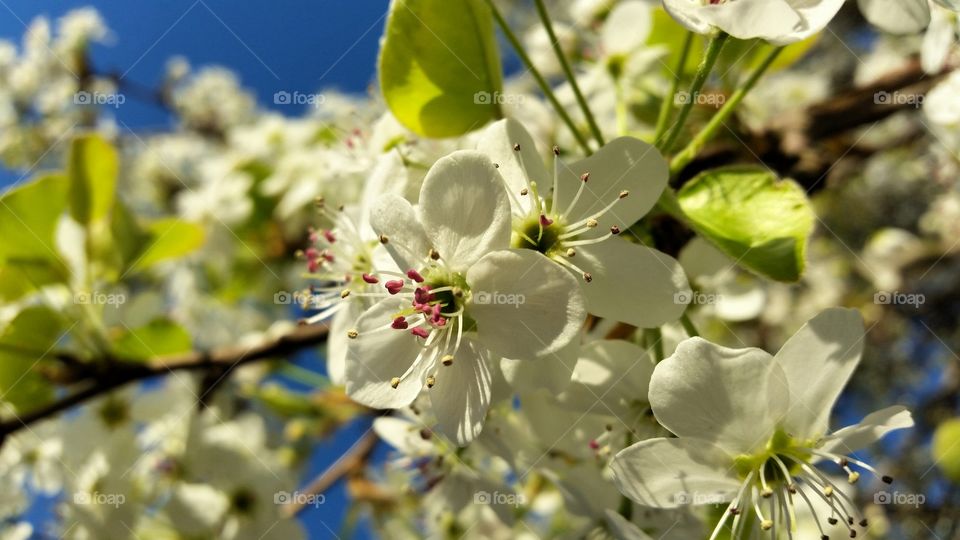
703 72
688 326
666 106
654 339
544 86
548 26
621 107
626 505
685 156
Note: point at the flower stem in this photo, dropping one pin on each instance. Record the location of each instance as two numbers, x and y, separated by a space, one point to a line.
666 106
654 340
685 156
688 326
548 26
703 71
544 86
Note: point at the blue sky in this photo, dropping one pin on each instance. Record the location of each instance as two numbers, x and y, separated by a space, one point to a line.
291 45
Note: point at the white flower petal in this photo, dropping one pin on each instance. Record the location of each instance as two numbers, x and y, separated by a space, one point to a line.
816 15
627 27
623 164
733 397
938 41
743 19
552 373
632 283
525 305
461 395
465 209
617 371
667 473
403 435
338 342
375 357
870 430
896 16
516 167
621 529
818 360
393 216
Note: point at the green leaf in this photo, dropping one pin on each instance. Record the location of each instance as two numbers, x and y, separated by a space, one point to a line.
169 238
92 167
28 218
761 222
946 448
24 344
158 338
439 67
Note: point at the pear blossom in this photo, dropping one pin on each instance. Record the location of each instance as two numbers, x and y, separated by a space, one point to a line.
463 301
752 428
778 21
902 16
576 224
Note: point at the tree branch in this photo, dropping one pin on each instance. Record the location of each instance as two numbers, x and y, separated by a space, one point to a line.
224 360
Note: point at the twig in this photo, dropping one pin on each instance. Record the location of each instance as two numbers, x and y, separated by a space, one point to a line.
224 359
352 460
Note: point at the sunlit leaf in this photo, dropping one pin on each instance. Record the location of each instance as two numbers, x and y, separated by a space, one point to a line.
439 67
761 222
158 338
92 168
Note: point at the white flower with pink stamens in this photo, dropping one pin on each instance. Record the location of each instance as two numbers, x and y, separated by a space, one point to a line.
576 222
463 300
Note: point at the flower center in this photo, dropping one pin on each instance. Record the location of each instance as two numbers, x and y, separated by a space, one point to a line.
550 229
781 475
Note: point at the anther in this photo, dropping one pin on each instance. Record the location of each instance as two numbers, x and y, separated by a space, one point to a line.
887 479
588 277
863 522
524 191
400 323
395 382
420 332
370 279
344 293
545 221
766 493
434 254
853 477
592 223
556 150
766 524
516 148
571 252
414 275
431 380
832 520
623 194
585 177
614 230
393 286
352 334
447 360
384 239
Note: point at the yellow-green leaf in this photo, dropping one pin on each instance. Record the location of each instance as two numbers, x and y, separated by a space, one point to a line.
92 167
24 345
748 213
169 238
28 218
439 67
946 448
158 338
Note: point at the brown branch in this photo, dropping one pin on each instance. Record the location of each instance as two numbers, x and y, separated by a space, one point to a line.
351 461
223 360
